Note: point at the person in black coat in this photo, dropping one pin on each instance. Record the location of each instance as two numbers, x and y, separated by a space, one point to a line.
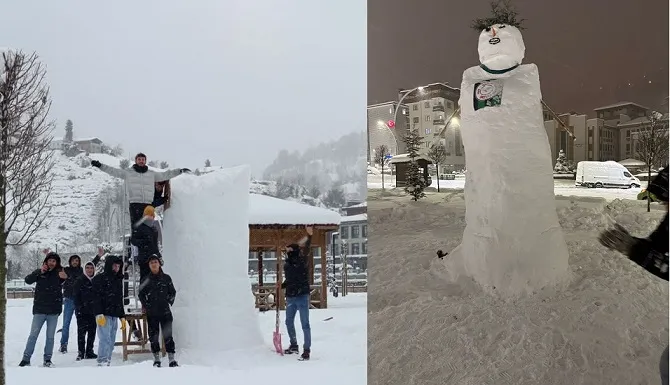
157 295
145 238
650 253
84 302
108 305
47 305
297 291
73 271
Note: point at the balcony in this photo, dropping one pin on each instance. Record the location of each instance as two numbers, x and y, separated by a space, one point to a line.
438 122
438 107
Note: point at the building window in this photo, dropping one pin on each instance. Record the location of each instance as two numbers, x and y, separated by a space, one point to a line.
344 232
355 248
364 231
450 104
364 248
627 147
628 134
426 104
427 131
415 107
415 120
427 118
355 232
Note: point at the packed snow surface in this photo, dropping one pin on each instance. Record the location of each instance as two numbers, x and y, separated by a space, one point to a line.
206 249
608 325
267 210
338 351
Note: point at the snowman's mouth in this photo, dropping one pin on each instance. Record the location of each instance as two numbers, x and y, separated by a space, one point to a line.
494 41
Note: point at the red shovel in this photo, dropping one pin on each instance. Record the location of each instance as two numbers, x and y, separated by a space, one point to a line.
276 335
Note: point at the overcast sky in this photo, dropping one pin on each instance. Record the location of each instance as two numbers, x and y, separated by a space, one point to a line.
234 81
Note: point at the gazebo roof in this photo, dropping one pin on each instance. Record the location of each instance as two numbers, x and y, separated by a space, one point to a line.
269 211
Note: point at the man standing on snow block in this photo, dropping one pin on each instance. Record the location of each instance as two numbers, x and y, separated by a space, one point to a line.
47 306
73 272
85 301
157 295
140 183
650 253
296 284
108 289
145 238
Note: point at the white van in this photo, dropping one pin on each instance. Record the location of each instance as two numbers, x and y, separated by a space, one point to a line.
604 174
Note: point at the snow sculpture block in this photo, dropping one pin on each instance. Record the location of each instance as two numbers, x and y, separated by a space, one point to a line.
512 242
206 251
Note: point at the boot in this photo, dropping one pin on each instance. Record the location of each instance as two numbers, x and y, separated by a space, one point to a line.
24 363
292 349
48 364
157 360
305 355
90 355
62 349
80 356
172 361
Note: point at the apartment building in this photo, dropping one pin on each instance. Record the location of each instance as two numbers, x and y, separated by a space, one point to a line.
380 132
430 107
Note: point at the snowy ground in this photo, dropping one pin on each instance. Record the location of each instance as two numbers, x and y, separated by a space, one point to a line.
608 327
338 354
561 187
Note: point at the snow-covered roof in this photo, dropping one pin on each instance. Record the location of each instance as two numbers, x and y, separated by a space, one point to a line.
267 210
402 158
631 163
364 204
620 104
355 218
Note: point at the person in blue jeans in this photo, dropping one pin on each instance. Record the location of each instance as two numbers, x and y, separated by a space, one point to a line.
47 306
73 271
297 292
108 293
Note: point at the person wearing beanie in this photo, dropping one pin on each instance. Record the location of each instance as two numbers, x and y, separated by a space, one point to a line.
73 272
139 182
84 302
296 285
47 306
650 253
157 295
145 238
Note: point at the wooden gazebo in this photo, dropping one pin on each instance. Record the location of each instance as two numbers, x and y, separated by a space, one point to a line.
275 223
401 163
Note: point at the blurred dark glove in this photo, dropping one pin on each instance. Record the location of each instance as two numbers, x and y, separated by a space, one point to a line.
617 239
183 170
96 163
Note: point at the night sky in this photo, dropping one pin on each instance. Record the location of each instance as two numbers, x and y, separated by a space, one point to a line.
590 53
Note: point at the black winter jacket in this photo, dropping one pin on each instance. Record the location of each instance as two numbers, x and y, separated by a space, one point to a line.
158 294
108 289
296 270
48 297
85 298
145 237
73 273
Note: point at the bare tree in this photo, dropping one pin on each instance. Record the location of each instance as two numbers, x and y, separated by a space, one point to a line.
651 144
25 159
164 165
438 154
380 157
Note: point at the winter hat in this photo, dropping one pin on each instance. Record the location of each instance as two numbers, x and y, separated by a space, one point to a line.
153 257
89 263
295 250
54 256
72 258
149 211
140 155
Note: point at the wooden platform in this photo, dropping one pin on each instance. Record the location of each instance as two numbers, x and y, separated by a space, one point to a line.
143 345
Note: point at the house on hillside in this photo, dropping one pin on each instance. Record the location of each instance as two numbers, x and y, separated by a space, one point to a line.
90 145
355 209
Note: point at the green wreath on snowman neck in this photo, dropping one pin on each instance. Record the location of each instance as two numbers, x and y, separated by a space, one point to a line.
502 12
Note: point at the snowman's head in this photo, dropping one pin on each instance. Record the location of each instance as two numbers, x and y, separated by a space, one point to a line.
501 46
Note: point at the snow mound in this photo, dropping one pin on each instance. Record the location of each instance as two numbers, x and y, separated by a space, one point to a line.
206 248
608 326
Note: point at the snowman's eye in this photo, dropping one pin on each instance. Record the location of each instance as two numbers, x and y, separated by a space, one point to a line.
501 26
488 29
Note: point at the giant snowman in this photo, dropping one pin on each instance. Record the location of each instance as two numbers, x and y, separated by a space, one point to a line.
512 243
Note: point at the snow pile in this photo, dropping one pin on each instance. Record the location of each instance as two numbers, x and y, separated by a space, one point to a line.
512 242
266 210
608 326
206 248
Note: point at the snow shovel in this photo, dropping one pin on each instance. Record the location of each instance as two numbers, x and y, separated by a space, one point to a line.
276 335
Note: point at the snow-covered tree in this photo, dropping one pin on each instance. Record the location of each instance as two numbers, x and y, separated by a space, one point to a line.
380 158
651 144
438 154
124 164
69 132
164 165
335 197
152 163
415 182
208 163
116 150
562 165
25 158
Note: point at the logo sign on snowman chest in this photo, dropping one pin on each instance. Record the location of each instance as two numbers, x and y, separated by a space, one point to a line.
488 94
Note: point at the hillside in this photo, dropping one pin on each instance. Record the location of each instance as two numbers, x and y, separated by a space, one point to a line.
340 163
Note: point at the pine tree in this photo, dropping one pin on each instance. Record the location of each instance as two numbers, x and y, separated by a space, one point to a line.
69 132
562 165
208 163
415 182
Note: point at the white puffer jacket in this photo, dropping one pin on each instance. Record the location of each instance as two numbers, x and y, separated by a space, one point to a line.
140 186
